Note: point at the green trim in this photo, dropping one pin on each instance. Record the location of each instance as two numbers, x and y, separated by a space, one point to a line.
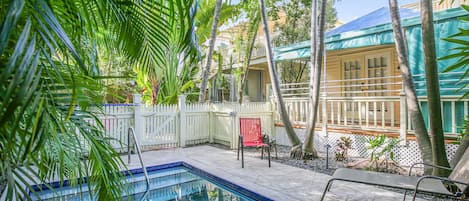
373 36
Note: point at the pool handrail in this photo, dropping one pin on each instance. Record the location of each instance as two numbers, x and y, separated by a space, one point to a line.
137 147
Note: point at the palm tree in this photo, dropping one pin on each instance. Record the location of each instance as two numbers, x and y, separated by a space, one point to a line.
423 140
317 50
254 21
48 81
433 88
211 47
460 52
296 151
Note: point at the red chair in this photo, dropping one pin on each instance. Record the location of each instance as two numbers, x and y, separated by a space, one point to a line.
251 136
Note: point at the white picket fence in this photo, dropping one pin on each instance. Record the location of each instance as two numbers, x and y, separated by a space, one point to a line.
184 124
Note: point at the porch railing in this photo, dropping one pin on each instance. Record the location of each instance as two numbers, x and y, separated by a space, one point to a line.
376 104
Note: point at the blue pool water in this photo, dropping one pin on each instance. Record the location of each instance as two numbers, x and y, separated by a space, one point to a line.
174 181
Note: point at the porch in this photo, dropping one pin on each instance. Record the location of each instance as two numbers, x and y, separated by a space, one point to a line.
372 105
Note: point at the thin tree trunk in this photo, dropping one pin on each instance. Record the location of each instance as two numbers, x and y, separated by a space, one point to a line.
317 50
246 67
296 151
211 47
461 148
155 90
423 140
433 88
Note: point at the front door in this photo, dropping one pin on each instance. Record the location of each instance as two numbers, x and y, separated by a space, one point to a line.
364 76
377 69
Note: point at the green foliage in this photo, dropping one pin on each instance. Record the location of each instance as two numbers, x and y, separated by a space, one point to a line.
460 53
381 149
463 133
343 145
297 25
163 74
204 17
50 77
296 28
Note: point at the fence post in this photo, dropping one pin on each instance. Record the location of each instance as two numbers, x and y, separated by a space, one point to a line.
235 126
182 120
211 122
403 118
139 120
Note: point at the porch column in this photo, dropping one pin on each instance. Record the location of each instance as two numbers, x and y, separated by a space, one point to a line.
403 118
324 114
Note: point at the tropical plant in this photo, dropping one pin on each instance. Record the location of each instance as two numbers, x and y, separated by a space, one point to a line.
461 55
165 40
317 51
254 20
433 89
413 107
50 78
296 150
381 149
211 47
463 141
343 145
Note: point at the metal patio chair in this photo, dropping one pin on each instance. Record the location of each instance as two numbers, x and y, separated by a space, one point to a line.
250 135
425 184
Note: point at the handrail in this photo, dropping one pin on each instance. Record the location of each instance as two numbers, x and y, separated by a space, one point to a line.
137 145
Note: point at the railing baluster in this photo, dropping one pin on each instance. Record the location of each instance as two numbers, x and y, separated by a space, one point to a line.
375 117
345 113
392 114
332 112
360 113
367 116
338 113
383 120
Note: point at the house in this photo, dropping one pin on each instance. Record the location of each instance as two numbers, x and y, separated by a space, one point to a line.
362 88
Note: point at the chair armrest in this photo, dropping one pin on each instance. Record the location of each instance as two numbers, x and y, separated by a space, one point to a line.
441 179
427 164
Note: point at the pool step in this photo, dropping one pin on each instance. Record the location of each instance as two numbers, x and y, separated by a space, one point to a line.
168 182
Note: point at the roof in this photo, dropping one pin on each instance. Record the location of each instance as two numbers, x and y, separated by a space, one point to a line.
374 33
377 17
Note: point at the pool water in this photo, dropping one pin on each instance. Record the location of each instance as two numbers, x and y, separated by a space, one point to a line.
175 181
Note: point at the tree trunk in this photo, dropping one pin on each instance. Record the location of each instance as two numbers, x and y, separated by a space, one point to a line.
155 90
246 66
462 147
317 50
211 47
423 140
296 151
433 88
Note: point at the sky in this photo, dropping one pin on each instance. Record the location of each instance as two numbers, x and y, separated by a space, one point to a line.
348 10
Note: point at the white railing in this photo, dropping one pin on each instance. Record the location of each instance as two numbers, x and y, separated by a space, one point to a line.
165 126
375 103
379 86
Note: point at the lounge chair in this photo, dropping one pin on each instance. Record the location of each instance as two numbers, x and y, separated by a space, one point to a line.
250 135
424 184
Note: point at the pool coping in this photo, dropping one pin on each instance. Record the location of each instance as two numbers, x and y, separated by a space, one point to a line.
197 171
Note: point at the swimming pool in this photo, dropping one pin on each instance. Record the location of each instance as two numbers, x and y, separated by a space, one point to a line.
173 181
